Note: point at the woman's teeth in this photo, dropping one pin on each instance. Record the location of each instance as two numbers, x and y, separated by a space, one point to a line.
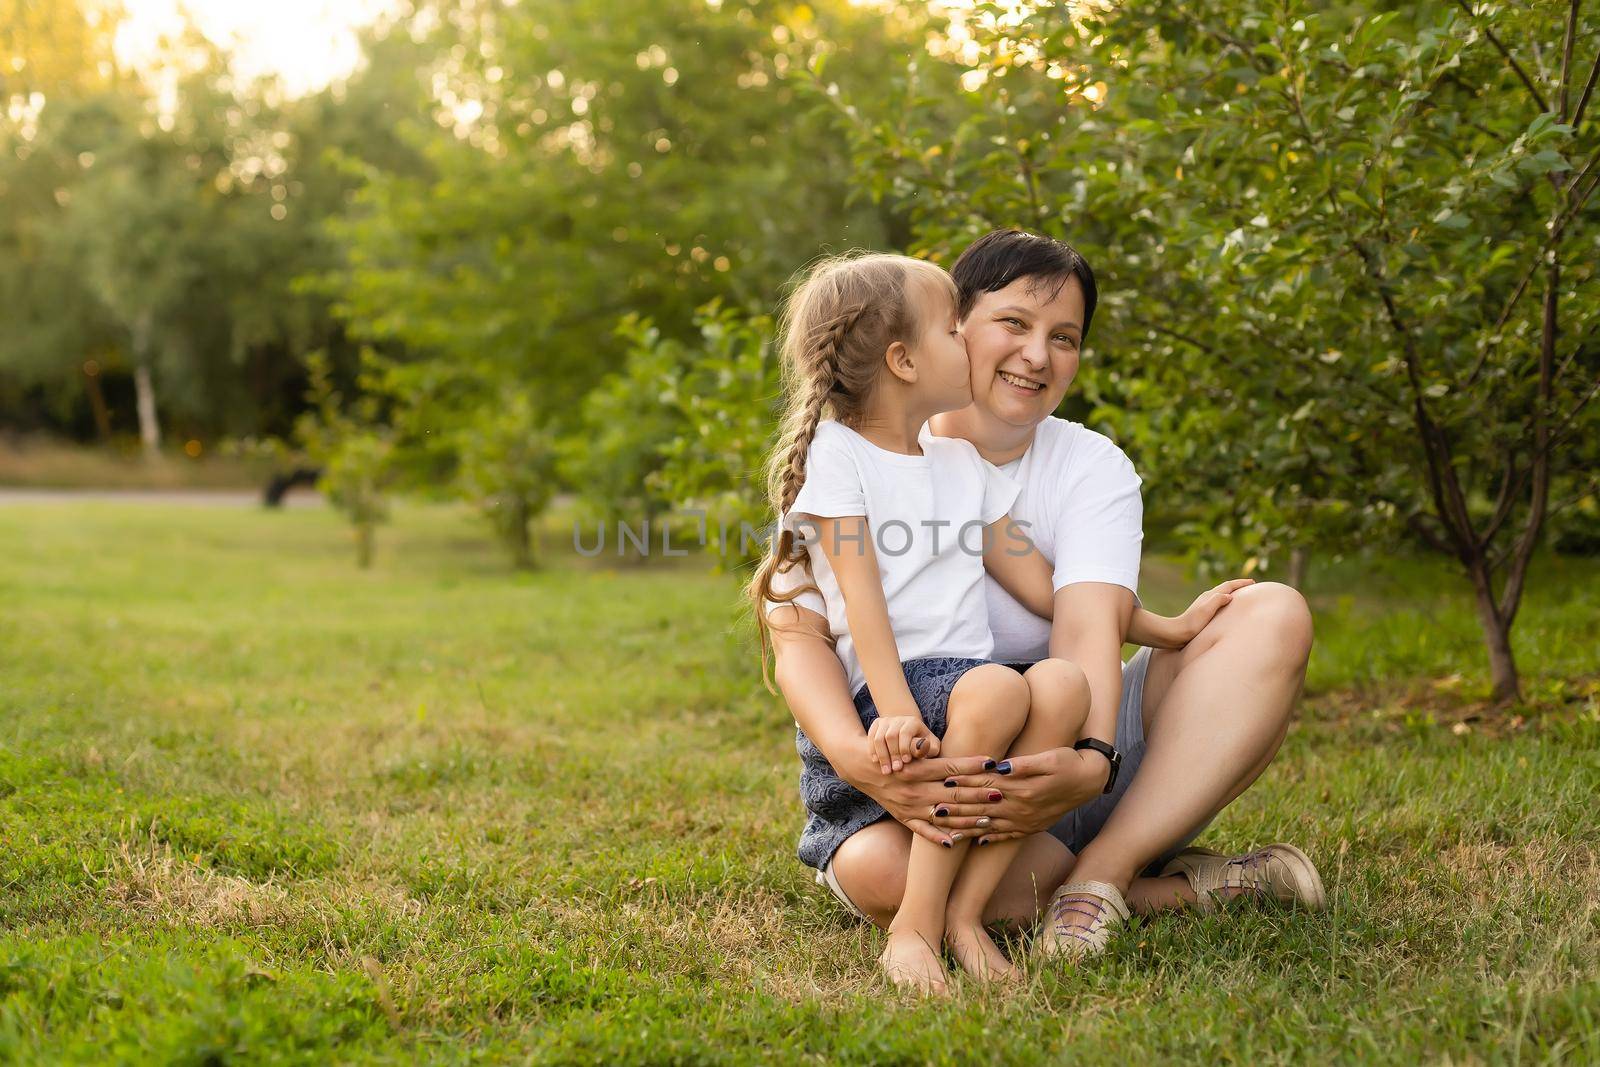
1022 383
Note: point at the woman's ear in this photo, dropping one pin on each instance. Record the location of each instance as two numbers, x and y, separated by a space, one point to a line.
897 357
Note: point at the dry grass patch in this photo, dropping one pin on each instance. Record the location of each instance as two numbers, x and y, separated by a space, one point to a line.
149 879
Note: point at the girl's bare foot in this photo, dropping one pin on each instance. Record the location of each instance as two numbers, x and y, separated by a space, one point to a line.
908 960
978 955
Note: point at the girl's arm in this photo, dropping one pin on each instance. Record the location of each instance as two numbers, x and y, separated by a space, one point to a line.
847 542
1020 568
1159 631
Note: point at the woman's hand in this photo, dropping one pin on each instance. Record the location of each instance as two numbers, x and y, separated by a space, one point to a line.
895 741
919 790
1039 789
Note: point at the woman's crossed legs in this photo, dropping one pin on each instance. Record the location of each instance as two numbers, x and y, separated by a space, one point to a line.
1213 715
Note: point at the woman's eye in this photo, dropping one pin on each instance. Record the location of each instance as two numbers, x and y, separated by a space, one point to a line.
1013 322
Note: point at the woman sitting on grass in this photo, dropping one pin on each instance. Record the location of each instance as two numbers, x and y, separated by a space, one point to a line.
1170 738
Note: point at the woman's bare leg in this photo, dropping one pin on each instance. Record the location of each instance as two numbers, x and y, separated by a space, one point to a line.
1058 704
1214 714
987 710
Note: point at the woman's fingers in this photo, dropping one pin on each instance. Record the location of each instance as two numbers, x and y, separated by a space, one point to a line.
969 823
990 839
972 796
925 829
962 809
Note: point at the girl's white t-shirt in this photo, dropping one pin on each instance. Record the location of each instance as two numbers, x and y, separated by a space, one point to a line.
1080 500
926 516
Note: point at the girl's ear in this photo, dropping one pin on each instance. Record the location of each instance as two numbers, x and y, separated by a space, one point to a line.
897 357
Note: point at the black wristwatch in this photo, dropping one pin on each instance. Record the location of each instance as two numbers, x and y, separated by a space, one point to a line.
1109 752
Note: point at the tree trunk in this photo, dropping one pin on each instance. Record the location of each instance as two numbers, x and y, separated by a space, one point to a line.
97 399
1299 564
364 544
149 428
518 536
1497 638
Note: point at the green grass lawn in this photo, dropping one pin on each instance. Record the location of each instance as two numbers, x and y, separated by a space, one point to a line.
258 805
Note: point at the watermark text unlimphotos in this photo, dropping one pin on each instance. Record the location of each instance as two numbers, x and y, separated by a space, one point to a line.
892 538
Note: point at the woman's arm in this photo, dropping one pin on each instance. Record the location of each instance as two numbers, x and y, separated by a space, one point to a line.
1020 568
817 691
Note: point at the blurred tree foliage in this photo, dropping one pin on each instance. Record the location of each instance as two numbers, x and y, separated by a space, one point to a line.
154 239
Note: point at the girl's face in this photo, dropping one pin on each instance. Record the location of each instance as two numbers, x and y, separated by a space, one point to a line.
1022 343
940 353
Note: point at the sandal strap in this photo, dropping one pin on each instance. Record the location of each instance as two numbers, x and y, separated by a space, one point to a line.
1102 897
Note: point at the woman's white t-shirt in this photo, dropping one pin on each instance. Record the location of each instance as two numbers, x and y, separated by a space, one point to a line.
1080 500
926 516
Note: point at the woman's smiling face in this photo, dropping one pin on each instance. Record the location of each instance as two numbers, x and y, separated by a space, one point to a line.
1023 344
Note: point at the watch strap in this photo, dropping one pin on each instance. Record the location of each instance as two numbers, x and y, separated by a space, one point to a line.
1109 752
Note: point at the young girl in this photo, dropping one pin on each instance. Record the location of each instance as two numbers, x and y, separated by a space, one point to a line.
896 528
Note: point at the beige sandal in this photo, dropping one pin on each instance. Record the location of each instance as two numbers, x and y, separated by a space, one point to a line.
1098 900
1281 872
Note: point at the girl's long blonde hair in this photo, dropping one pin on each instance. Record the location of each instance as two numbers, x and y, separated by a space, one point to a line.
836 326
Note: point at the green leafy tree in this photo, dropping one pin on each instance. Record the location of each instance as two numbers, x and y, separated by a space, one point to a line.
1347 256
355 450
507 469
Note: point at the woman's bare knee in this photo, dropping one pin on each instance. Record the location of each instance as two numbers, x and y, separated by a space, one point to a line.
871 868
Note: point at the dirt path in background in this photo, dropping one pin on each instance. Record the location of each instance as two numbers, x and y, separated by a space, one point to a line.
205 498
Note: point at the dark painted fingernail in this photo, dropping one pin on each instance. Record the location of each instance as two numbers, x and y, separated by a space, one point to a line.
994 794
1004 767
982 841
941 812
949 783
919 742
988 765
946 844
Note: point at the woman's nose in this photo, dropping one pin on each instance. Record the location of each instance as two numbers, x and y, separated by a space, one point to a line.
1036 353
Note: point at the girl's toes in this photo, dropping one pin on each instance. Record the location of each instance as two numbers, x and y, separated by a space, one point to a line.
909 962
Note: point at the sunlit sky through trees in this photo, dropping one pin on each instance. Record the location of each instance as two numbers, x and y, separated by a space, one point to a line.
307 43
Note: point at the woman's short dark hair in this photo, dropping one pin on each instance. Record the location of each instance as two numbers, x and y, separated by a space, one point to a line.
1000 257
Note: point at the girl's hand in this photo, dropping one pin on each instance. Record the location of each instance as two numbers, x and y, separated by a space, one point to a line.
896 740
1206 605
